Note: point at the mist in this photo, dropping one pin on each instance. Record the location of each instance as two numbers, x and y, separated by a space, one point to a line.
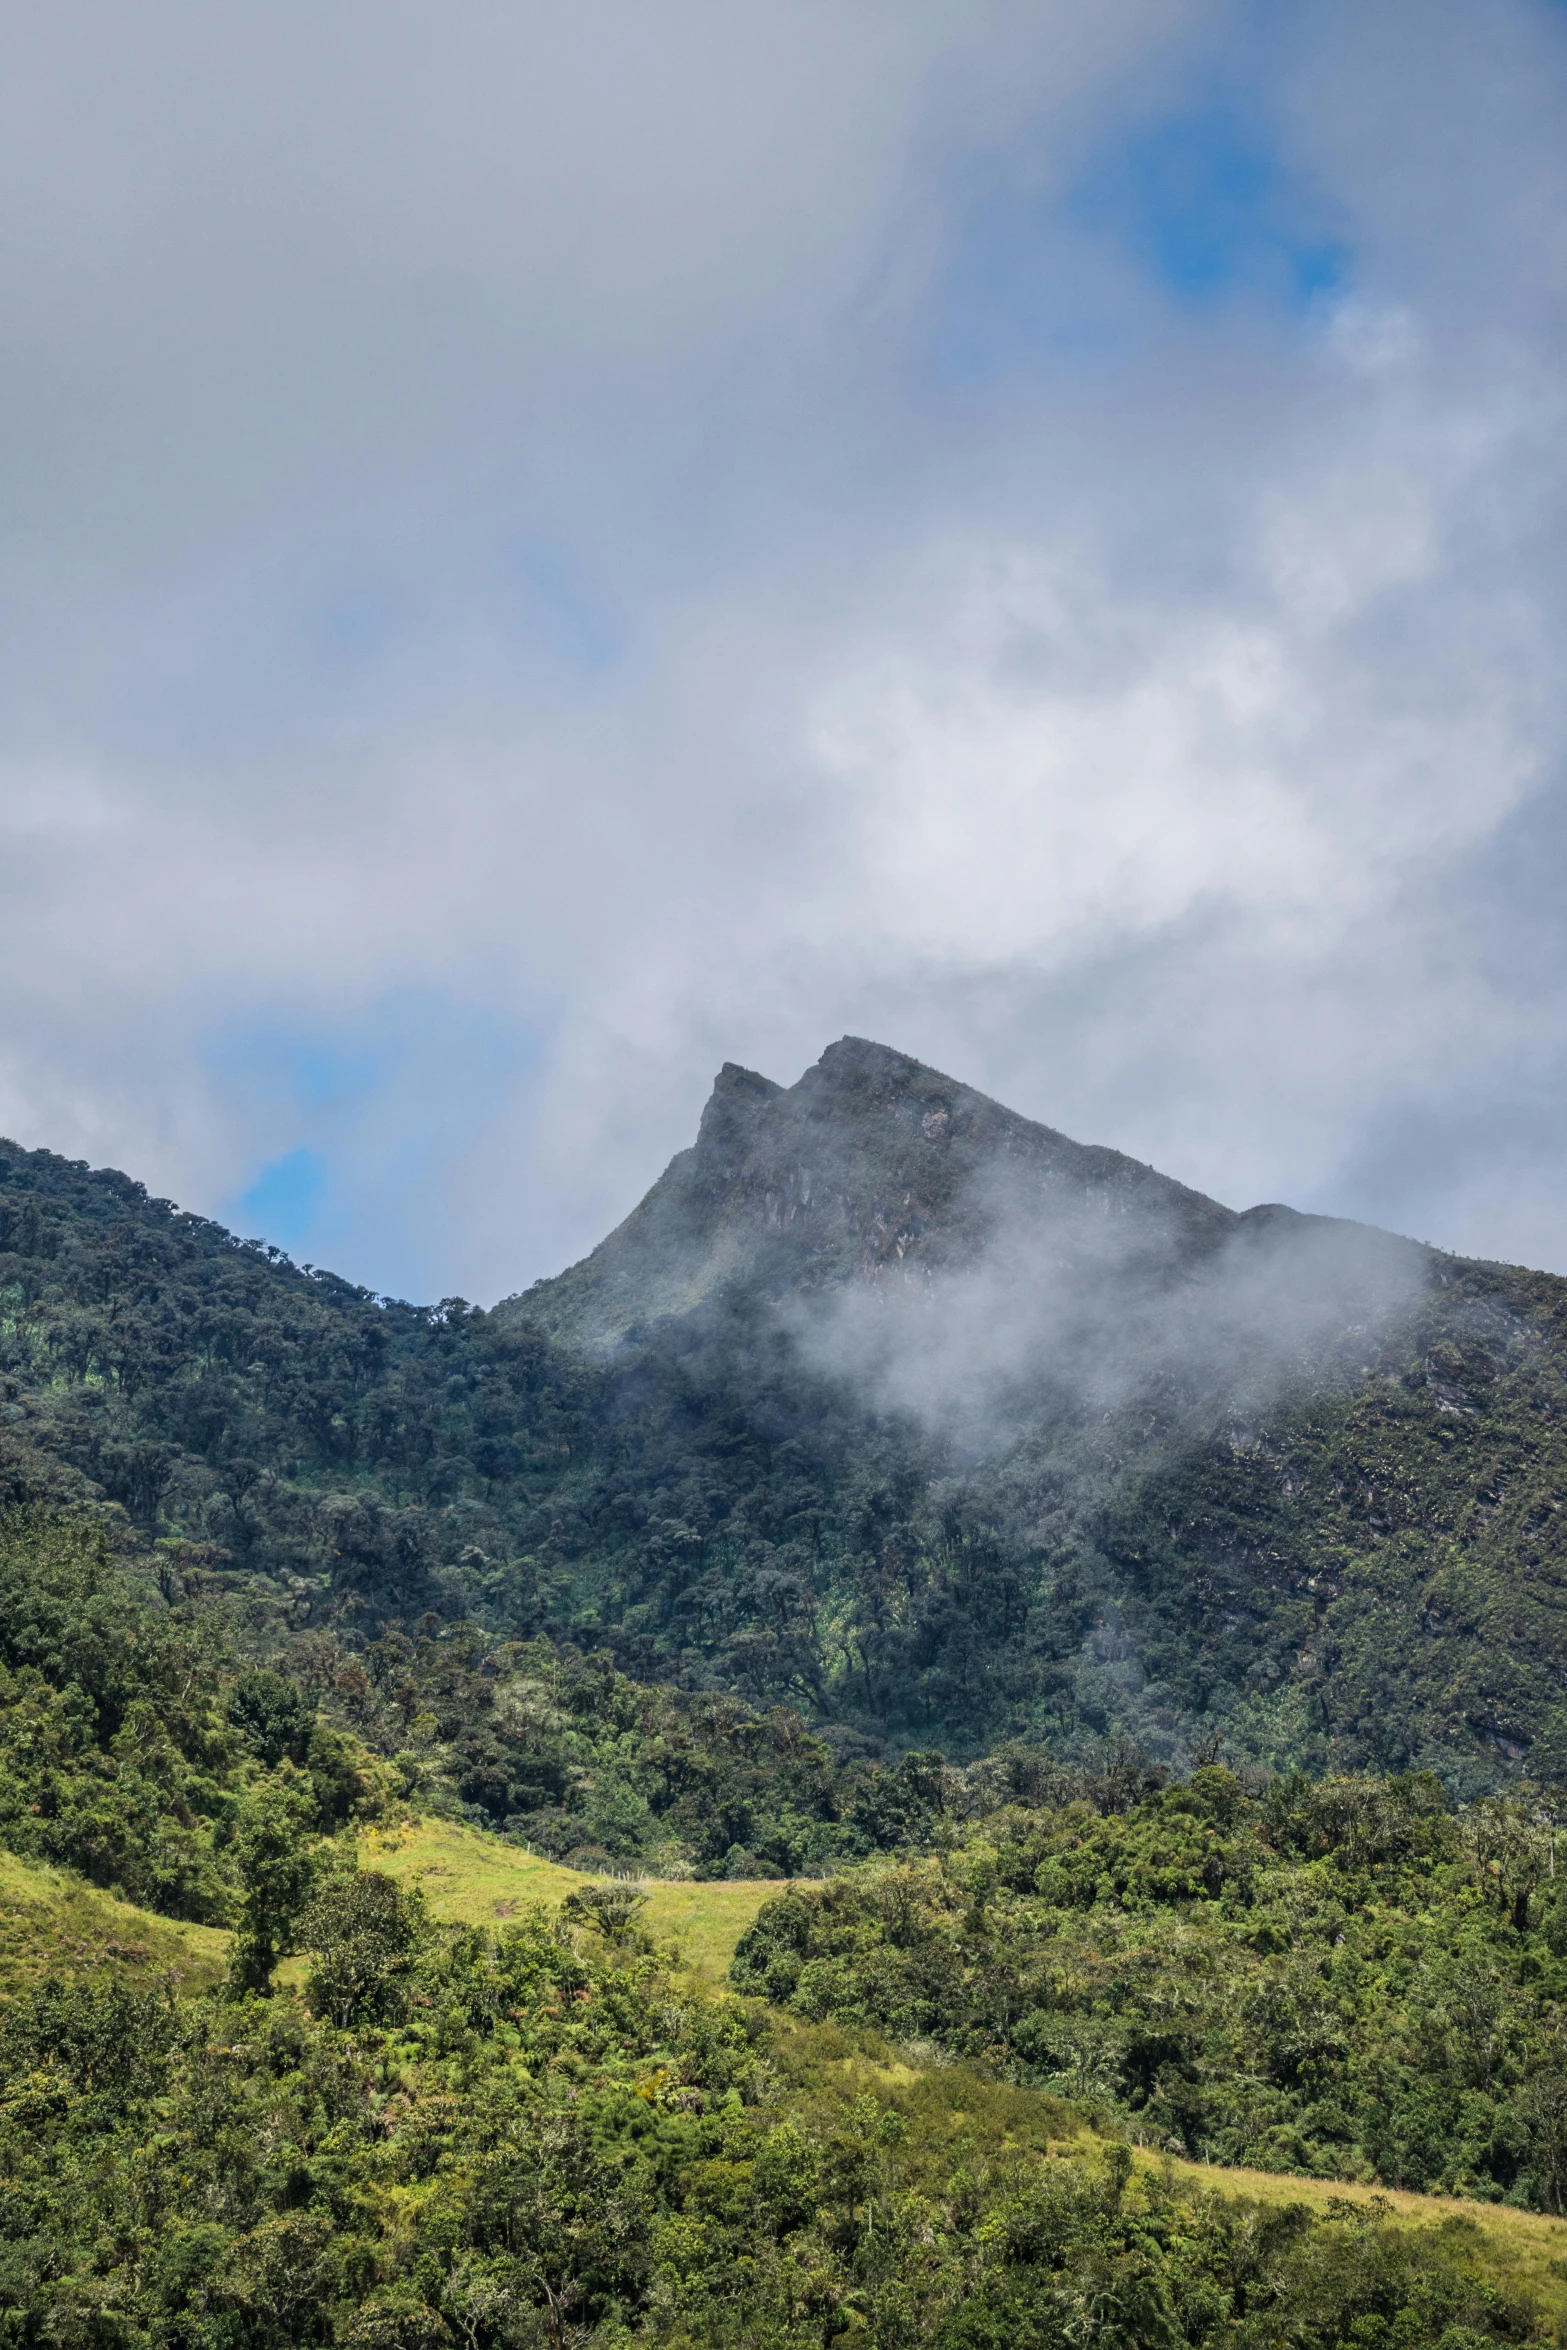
1085 1310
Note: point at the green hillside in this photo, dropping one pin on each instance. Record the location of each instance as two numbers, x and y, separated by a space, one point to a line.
527 2130
1260 1477
350 2075
469 1878
1341 1978
536 2134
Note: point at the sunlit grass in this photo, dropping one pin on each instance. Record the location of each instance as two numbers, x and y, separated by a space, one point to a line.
468 1878
52 1921
706 1920
473 1879
956 2111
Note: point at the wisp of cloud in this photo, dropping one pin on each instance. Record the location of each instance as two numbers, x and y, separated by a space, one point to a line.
1080 1309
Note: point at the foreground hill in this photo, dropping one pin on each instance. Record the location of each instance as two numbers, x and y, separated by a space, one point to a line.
535 2132
886 1404
1345 1978
1340 1977
539 2136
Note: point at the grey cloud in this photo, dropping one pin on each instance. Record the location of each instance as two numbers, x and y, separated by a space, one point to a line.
1138 736
269 253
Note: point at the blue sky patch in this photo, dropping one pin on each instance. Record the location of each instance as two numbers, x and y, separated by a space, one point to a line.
1201 204
1205 205
281 1204
355 627
361 1130
1013 293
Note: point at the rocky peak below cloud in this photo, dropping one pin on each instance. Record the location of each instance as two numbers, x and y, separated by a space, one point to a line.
873 1168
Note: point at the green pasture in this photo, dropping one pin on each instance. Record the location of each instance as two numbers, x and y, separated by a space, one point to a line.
473 1879
52 1922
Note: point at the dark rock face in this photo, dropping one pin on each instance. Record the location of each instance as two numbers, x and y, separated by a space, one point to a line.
872 1168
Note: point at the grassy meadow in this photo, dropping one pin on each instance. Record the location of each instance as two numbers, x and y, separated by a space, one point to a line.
52 1921
476 1880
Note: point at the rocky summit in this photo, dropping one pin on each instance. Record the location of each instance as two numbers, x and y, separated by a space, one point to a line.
873 1168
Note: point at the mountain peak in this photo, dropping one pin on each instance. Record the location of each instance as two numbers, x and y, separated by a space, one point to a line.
736 1083
856 1060
737 1095
872 1167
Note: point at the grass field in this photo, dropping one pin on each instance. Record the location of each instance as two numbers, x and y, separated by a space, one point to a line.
476 1880
51 1920
706 1921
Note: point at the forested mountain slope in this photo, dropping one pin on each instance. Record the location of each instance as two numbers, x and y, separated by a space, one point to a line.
886 1404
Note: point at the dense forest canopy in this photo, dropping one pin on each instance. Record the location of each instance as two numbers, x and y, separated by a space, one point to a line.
1357 1566
138 1739
546 2133
1341 1977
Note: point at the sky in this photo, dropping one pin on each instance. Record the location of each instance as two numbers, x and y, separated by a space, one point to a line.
545 547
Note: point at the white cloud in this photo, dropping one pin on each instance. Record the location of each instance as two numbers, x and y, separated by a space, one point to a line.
1140 733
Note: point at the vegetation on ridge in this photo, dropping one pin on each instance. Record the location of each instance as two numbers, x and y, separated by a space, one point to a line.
542 2130
140 1745
133 1746
537 2136
1343 1978
1354 1559
1367 1576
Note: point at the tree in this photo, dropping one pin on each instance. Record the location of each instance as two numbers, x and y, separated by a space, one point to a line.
278 1863
363 1932
614 1910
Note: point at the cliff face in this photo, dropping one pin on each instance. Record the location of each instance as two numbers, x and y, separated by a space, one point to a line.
872 1168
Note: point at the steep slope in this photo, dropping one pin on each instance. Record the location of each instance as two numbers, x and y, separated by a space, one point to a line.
872 1167
545 2136
886 1403
1341 1978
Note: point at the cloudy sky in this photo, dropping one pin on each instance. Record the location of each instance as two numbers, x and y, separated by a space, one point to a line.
547 544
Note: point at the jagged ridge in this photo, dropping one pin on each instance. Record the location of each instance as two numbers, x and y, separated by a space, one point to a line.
873 1166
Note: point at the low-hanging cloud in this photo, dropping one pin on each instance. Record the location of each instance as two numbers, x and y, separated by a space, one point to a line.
1083 1308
